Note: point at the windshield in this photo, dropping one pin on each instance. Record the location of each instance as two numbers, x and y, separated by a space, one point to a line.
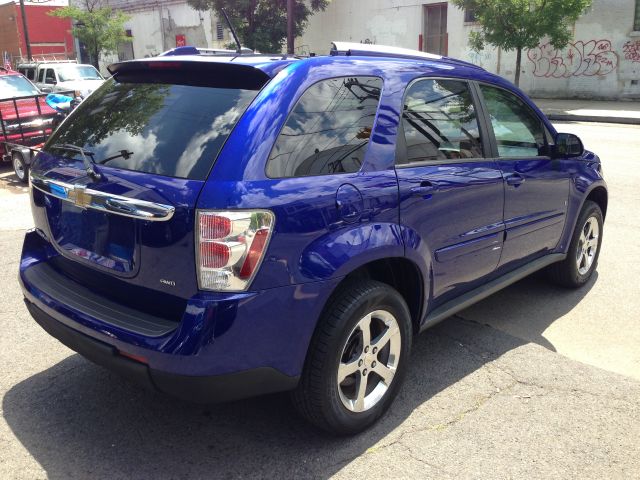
68 73
16 86
163 128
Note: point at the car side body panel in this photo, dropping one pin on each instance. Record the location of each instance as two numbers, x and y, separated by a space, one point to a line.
326 227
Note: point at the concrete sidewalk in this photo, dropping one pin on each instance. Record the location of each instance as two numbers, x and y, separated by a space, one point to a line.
590 111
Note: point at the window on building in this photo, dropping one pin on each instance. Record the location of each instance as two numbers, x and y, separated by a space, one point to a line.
470 15
439 122
219 31
518 130
328 130
636 17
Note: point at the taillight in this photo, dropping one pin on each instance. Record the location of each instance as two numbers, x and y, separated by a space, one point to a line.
231 245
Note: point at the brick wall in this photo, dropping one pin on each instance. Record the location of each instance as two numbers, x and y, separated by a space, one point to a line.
8 30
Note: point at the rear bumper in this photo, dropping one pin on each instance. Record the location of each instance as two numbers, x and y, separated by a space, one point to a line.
216 388
225 345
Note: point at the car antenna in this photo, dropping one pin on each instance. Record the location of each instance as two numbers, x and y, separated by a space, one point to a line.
233 31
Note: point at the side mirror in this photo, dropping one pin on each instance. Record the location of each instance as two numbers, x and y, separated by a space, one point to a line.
567 145
46 90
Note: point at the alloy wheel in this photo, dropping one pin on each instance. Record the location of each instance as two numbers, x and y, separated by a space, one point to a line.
587 245
369 361
18 168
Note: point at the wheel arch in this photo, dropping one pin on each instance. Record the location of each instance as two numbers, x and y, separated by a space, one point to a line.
600 196
399 273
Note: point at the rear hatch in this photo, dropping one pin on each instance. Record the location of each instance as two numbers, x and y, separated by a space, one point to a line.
151 133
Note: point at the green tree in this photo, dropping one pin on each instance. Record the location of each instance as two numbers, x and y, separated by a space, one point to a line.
99 27
519 24
262 24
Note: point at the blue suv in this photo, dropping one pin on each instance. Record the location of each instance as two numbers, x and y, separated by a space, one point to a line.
218 227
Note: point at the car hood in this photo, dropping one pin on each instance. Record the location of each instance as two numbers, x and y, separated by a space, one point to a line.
84 86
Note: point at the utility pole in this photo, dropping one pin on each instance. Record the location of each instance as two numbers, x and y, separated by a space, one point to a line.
290 24
26 30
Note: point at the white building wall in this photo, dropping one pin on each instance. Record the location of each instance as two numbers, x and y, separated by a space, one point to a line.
602 61
155 25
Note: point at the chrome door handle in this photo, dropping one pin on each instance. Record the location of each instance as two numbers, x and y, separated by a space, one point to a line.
425 189
515 179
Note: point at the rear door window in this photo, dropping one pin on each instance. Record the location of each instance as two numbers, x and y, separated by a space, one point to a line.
440 122
328 130
168 129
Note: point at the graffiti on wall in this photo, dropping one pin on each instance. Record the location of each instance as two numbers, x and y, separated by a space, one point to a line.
588 59
631 51
479 58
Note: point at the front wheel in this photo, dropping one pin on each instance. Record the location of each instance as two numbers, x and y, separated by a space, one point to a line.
357 358
584 249
20 167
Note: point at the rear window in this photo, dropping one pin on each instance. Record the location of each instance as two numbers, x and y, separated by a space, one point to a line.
168 128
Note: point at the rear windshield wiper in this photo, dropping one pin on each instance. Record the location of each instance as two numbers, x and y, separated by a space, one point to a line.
122 154
88 164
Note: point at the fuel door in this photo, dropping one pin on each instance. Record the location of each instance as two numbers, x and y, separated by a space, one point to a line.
349 203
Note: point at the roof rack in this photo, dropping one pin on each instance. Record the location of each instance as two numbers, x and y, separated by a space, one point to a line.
368 50
43 59
189 50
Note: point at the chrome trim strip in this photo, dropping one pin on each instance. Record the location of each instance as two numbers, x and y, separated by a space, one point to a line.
83 197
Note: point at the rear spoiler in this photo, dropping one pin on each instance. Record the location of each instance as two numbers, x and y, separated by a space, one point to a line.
193 71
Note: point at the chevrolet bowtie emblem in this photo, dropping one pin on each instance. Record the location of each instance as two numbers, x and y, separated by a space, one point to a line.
79 196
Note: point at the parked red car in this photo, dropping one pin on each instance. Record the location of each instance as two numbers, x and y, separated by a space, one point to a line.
25 120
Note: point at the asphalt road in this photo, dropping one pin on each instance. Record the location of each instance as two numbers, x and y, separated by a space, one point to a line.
534 382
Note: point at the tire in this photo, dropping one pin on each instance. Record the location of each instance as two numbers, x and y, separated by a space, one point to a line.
578 267
340 344
20 167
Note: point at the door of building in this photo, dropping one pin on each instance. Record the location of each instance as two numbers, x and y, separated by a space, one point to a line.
435 28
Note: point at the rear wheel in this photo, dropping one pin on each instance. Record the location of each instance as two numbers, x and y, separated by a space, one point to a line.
20 167
584 249
356 359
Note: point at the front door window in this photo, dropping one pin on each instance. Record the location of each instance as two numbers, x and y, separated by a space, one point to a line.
518 131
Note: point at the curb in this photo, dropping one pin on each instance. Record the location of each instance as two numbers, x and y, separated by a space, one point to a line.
592 118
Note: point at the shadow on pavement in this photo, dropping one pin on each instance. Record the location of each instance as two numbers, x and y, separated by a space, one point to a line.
8 179
528 308
78 420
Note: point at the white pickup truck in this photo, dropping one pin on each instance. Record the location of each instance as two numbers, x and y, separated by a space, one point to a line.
62 75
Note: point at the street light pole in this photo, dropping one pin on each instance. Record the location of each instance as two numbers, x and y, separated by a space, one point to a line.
26 30
290 24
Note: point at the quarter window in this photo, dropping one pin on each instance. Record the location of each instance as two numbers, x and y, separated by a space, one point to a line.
328 130
440 122
518 130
